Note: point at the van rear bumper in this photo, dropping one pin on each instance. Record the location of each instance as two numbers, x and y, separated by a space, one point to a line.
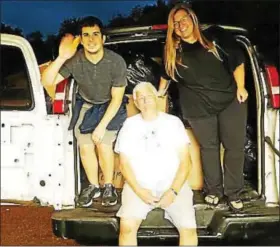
223 225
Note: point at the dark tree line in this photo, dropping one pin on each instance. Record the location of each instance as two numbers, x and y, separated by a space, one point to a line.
258 16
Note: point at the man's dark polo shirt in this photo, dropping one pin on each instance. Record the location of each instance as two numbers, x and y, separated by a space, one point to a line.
96 80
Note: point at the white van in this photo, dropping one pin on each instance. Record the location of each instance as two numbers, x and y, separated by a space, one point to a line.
40 161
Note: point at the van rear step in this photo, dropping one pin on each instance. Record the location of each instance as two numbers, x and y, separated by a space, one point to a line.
92 224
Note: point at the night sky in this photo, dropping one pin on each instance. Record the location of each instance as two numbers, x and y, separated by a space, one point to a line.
46 16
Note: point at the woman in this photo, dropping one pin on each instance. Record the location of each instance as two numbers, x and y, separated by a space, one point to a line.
210 79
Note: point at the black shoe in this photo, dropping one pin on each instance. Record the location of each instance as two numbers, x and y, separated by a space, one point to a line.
87 194
198 197
110 196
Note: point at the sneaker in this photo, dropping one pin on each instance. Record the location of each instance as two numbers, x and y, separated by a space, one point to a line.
87 194
110 196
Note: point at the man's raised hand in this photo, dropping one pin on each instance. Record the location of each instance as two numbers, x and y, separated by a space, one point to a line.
68 46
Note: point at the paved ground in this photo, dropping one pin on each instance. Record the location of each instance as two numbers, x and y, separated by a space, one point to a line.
28 225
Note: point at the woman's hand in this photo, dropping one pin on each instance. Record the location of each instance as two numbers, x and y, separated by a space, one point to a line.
242 94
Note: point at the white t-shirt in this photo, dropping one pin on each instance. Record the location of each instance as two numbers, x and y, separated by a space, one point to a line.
152 149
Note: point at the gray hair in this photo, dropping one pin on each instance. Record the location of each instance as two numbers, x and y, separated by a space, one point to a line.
141 85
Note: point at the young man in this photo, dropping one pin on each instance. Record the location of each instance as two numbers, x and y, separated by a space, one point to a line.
99 110
153 148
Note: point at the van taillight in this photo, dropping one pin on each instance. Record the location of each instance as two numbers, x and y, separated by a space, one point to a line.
159 27
274 85
59 103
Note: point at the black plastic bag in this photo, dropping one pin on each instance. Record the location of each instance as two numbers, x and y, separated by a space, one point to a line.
141 68
250 149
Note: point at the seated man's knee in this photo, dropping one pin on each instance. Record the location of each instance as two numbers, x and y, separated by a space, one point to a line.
129 226
188 236
188 231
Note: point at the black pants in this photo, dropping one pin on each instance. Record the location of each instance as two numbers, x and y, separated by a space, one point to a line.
228 128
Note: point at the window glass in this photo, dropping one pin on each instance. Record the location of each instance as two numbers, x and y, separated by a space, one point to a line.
15 85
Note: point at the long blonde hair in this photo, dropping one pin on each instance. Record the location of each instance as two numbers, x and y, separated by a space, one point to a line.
172 55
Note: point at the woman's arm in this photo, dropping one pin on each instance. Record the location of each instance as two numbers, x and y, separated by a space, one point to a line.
239 76
162 86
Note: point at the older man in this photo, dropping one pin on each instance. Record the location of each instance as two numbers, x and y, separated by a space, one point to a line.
153 148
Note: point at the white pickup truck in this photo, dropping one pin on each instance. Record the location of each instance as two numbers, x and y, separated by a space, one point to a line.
40 161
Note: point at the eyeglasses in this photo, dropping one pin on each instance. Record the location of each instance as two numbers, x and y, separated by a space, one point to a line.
183 21
146 97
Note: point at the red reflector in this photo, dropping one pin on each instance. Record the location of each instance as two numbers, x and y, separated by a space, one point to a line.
274 85
60 87
276 101
59 100
159 27
58 106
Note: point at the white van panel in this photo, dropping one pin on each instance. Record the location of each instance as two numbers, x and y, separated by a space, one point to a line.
16 184
37 154
270 124
277 158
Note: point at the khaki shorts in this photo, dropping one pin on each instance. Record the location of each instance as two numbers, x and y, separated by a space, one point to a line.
86 139
181 212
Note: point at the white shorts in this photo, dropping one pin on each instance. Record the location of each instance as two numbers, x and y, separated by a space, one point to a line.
181 212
